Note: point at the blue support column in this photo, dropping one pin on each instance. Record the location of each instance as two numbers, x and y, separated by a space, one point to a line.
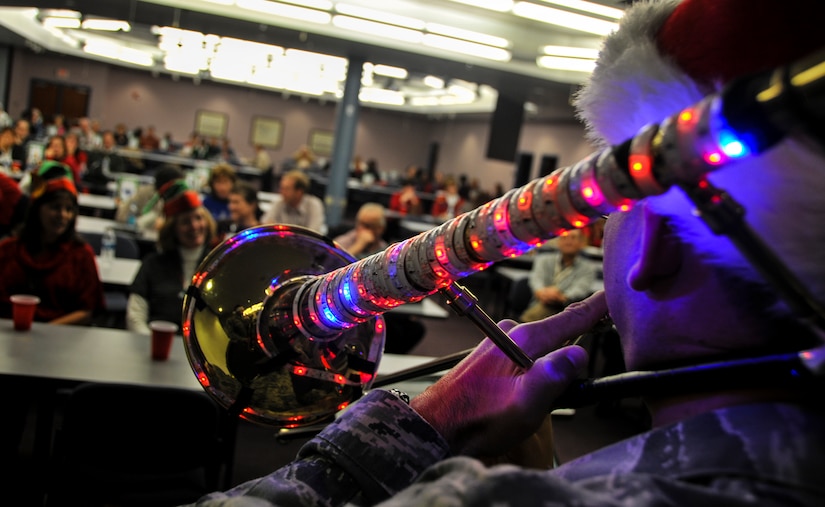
346 123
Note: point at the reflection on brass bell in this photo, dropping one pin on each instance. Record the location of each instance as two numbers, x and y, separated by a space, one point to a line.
243 339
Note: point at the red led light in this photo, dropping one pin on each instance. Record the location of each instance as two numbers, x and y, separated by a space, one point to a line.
587 192
344 405
625 207
204 380
685 116
340 379
713 157
299 370
379 326
578 223
524 201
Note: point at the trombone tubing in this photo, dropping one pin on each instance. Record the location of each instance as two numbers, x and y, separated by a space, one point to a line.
746 118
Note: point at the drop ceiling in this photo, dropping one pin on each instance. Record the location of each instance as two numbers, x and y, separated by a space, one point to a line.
546 91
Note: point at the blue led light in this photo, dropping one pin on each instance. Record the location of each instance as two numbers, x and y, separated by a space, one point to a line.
731 145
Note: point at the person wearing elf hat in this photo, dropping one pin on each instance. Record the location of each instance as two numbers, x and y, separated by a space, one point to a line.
678 296
47 258
188 233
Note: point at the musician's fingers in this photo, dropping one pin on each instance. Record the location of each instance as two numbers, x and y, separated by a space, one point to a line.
542 337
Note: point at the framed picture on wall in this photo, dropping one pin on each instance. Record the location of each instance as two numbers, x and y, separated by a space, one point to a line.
267 132
320 142
211 123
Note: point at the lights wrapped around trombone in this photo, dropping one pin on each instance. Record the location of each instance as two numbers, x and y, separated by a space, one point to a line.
281 313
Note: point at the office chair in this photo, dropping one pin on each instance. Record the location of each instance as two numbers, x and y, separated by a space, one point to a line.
138 445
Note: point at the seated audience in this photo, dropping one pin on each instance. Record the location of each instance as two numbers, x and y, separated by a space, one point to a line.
405 200
366 238
448 204
47 258
75 158
678 294
187 235
22 136
303 159
221 180
6 146
105 161
560 278
243 210
297 206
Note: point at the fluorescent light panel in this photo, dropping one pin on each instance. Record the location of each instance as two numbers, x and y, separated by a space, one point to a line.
379 29
380 16
493 5
562 63
571 52
467 48
459 33
285 10
592 8
58 22
106 25
390 71
564 19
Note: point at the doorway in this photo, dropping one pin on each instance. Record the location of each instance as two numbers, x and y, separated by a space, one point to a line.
54 97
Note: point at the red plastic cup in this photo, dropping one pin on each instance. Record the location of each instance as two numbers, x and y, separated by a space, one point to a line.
163 332
23 306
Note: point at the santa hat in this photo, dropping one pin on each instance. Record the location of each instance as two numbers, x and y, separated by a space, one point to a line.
668 54
50 177
178 198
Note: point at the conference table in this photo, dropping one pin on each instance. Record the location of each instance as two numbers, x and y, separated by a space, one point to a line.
48 358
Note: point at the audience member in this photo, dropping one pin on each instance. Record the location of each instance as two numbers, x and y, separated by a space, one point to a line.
47 258
13 205
678 294
303 159
5 118
559 278
6 148
366 238
222 178
297 206
149 141
57 127
75 158
448 204
405 200
87 137
261 160
105 162
22 135
187 235
147 203
243 210
121 135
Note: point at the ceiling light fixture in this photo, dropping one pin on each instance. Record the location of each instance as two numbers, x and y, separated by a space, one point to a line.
381 96
571 52
562 63
380 16
459 33
287 11
466 47
378 29
106 25
61 22
493 5
390 71
592 8
564 19
117 52
433 82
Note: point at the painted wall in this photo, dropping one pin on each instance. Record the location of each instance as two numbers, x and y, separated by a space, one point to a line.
394 140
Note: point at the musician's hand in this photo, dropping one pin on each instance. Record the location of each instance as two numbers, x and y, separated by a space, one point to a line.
486 404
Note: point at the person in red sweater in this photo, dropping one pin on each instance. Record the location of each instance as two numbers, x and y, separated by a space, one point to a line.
12 205
47 258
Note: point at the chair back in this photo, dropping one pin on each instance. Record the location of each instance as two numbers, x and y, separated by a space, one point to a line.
125 248
137 445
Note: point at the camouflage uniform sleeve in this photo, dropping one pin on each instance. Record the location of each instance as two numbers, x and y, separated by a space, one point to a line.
375 449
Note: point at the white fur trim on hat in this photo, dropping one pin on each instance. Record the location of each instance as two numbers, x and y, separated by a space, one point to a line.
633 83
